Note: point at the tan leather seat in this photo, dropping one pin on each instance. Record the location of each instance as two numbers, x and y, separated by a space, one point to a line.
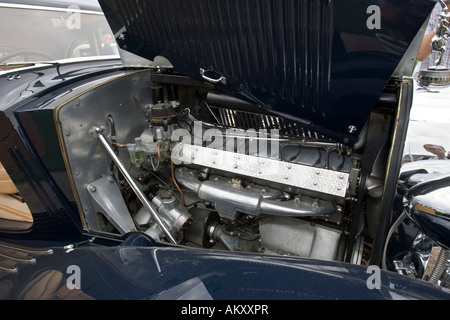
51 285
6 184
11 208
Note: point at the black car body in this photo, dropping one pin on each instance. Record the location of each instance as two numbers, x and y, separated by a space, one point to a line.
239 150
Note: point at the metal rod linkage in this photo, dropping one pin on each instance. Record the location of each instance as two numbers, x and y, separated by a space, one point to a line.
133 185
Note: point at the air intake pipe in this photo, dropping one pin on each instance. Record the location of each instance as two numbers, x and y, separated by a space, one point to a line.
230 198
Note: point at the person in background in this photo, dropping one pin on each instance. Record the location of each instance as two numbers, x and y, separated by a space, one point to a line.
438 151
107 48
425 55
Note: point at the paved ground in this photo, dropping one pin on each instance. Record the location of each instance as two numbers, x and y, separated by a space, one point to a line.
429 121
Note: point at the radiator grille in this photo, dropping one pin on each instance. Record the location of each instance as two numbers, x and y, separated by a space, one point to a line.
249 120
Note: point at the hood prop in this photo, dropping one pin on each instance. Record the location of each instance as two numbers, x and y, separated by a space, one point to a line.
133 185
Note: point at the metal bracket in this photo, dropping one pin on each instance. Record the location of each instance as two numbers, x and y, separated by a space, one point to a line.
106 194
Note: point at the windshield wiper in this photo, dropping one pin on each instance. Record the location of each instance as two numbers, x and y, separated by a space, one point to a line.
16 65
8 66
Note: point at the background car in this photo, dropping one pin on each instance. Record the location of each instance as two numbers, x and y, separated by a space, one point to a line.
48 33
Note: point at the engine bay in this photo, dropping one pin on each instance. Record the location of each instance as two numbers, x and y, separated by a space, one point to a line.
156 152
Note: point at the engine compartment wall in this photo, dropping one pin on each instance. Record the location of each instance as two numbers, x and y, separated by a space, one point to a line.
85 158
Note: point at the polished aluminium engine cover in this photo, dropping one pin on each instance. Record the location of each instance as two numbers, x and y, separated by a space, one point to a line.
315 179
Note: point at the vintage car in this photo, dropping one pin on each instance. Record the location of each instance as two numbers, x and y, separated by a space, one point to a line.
232 150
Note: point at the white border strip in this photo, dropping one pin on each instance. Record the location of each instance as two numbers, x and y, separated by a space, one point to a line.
69 9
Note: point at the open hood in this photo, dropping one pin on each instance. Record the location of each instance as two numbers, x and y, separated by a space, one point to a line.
322 63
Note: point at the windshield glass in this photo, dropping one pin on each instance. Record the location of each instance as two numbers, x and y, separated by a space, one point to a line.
31 34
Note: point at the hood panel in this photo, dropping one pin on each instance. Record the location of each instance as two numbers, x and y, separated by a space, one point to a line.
323 63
